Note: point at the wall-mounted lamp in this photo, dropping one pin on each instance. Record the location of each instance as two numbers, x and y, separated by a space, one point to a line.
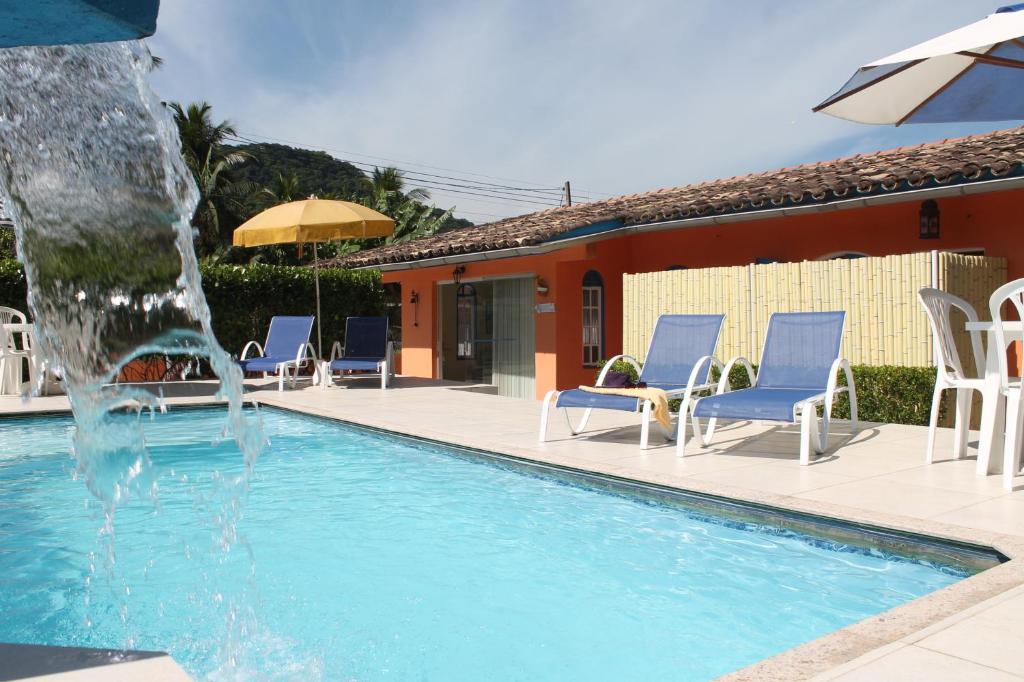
542 287
928 220
414 300
457 274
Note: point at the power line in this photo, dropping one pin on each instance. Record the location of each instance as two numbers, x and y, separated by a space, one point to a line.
538 187
436 186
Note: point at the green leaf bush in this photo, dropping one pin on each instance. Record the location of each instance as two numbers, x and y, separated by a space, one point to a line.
243 298
890 394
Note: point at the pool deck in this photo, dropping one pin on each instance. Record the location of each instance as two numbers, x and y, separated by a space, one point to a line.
972 630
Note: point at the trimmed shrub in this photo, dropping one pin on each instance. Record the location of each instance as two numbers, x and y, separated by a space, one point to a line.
896 395
243 298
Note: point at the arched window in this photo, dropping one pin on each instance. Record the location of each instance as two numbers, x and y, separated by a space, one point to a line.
465 321
593 318
843 255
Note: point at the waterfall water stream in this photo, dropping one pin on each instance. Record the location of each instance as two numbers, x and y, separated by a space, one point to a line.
101 201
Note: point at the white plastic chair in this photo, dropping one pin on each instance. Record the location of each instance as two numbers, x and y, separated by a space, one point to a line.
1009 386
950 371
13 359
11 316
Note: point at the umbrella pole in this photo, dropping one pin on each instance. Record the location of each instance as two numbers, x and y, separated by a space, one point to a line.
316 279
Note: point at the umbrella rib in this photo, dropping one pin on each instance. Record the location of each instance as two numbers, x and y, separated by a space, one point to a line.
994 61
827 103
938 91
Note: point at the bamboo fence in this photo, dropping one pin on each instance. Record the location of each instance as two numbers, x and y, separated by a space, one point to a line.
886 324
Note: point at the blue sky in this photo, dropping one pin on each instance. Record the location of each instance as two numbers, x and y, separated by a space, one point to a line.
617 98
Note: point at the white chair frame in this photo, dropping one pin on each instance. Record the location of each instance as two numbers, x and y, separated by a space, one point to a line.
950 374
305 354
385 368
807 409
1008 387
692 388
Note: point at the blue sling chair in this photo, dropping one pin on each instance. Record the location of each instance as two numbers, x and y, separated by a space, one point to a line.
287 348
679 361
367 349
799 371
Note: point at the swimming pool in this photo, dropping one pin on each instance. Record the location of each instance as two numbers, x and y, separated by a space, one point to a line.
376 557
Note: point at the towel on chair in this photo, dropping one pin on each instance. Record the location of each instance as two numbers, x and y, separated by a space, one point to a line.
657 397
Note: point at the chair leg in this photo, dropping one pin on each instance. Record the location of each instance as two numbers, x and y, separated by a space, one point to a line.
280 378
384 375
684 413
1012 445
933 422
545 410
645 424
808 433
962 426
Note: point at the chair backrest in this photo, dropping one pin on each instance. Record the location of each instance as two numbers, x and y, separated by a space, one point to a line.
678 342
939 305
286 335
1014 293
366 337
799 349
11 316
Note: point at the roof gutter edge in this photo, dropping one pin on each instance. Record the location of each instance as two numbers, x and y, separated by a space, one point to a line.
964 189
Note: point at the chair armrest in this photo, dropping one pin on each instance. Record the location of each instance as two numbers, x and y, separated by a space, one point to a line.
249 345
608 365
336 351
699 367
306 351
832 388
723 381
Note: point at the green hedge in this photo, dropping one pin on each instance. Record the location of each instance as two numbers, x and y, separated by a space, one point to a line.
895 395
243 298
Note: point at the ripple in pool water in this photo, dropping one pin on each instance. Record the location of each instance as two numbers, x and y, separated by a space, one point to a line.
381 558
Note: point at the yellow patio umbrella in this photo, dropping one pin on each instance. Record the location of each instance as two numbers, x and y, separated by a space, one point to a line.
312 221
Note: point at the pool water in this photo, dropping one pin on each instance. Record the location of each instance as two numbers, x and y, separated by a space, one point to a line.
370 557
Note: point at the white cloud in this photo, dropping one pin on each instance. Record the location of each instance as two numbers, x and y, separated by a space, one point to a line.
617 98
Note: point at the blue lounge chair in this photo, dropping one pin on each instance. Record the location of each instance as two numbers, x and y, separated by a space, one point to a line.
679 361
287 348
799 370
367 349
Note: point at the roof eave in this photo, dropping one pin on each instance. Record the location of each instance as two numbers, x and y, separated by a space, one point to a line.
933 192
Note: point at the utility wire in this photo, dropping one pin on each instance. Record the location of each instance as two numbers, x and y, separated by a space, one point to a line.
538 187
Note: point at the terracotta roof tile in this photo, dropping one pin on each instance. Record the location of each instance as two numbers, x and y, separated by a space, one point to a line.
967 159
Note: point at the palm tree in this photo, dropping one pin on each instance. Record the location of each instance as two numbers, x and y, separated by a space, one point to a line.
200 136
390 182
218 193
285 189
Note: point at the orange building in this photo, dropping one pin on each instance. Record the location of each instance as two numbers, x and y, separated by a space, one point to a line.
534 302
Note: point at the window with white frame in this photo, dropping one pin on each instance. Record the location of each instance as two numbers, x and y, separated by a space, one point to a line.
593 319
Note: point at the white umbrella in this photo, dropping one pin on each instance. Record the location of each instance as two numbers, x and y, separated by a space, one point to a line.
975 73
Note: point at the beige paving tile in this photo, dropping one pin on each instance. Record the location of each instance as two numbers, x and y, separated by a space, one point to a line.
1003 514
951 474
994 637
775 479
914 664
892 497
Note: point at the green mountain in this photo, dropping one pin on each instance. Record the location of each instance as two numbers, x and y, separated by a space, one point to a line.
318 172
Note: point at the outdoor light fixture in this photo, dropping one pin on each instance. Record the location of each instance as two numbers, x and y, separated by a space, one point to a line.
928 220
457 274
542 286
414 300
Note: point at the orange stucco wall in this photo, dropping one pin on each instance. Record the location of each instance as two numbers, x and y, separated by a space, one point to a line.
988 221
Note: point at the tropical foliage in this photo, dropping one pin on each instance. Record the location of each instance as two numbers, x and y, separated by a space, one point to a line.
236 182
